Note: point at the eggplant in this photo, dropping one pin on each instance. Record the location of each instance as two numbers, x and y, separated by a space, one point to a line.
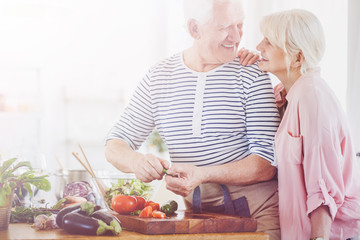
64 211
109 219
76 223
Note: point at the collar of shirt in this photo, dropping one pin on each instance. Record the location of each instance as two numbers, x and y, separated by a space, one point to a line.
308 75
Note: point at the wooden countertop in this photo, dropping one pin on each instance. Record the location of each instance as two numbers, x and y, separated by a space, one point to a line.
25 231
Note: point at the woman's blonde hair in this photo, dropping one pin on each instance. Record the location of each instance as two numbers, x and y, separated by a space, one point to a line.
296 31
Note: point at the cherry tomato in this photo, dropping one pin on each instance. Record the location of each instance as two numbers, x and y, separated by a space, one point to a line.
158 214
146 212
124 204
140 203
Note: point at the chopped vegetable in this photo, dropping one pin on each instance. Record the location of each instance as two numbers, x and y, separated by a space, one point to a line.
146 212
158 214
154 205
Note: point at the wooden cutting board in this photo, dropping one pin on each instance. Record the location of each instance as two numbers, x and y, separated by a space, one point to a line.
188 222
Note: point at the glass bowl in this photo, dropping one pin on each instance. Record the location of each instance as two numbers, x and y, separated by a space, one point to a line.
116 183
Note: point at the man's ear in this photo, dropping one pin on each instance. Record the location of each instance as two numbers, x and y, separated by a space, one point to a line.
193 28
298 60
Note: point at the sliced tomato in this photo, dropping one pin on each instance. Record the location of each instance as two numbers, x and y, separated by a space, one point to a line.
155 206
146 212
158 214
140 203
147 203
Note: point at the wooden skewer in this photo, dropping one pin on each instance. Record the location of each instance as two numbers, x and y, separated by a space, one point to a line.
76 155
88 164
85 163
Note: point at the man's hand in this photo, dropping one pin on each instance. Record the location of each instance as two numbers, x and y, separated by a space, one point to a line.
246 57
189 178
149 167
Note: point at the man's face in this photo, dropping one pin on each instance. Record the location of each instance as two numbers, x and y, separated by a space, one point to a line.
220 37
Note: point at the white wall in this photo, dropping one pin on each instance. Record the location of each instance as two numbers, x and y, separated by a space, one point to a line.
353 90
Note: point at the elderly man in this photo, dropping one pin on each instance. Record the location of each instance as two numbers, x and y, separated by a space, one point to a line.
217 117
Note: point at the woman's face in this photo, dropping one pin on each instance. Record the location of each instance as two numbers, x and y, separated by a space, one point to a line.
273 58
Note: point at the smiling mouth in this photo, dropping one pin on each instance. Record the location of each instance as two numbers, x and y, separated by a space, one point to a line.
229 45
232 47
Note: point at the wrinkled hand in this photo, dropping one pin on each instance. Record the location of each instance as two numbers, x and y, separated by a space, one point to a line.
246 57
189 178
149 167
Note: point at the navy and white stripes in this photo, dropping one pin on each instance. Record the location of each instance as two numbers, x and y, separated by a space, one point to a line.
207 118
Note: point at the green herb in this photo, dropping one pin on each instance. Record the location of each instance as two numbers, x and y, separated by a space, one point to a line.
27 215
165 172
155 139
58 205
133 187
9 181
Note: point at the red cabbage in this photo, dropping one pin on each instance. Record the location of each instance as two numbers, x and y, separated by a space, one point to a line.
80 189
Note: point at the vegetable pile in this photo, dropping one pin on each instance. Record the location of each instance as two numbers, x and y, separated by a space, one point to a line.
133 187
87 219
136 205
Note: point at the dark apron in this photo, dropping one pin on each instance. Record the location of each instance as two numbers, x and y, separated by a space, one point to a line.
238 206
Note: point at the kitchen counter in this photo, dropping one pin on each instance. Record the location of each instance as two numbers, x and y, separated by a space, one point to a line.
25 231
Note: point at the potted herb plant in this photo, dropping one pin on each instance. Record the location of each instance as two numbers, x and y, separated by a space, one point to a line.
9 181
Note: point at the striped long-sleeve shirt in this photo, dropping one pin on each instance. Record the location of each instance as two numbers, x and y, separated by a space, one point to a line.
205 118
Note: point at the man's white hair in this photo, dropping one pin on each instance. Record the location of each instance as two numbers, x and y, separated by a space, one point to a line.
296 31
201 10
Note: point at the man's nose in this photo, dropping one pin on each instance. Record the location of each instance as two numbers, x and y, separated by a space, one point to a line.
235 34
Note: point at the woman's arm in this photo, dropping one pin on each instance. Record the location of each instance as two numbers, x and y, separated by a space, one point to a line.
320 222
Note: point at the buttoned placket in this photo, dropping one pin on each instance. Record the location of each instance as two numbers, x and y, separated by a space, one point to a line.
198 105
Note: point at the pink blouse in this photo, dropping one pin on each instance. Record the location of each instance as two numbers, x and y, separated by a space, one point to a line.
316 161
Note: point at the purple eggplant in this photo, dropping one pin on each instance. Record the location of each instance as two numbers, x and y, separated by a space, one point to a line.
85 208
109 219
76 223
64 211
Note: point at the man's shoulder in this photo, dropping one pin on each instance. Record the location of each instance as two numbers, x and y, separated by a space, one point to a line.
250 71
167 64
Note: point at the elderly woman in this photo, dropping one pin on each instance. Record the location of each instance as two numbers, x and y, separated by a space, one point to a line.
319 186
